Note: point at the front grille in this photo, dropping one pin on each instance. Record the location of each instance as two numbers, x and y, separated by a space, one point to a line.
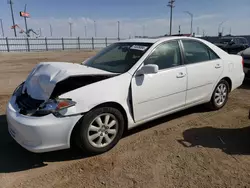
27 104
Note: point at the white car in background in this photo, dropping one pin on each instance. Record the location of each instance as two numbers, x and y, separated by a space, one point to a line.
126 84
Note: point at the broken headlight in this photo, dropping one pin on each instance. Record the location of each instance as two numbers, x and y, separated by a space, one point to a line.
54 106
18 90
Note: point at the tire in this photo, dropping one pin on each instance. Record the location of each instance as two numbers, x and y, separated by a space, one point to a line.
214 104
84 135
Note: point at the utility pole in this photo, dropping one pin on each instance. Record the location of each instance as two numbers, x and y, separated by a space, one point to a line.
25 21
171 5
191 26
13 19
203 33
51 31
95 27
2 27
85 28
118 30
70 29
179 29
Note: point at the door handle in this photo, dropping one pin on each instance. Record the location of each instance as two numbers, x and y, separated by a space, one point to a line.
180 75
217 66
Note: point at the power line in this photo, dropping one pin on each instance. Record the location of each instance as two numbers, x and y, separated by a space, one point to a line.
171 5
13 19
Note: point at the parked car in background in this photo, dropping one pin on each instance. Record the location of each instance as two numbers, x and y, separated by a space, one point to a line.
232 45
126 84
246 57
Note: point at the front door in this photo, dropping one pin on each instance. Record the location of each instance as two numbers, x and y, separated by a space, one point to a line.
155 94
204 68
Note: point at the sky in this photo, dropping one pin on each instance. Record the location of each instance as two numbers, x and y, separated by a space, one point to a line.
136 17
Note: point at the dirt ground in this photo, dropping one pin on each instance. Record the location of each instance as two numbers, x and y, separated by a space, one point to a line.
193 148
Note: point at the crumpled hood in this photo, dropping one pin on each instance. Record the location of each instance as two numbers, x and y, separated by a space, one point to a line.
42 80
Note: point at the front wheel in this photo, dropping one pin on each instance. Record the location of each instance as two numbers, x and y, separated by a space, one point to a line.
220 95
100 130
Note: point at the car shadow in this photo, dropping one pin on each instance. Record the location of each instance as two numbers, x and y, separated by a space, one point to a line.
246 84
153 123
230 141
14 158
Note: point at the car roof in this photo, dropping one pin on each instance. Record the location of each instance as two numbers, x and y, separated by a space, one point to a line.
154 40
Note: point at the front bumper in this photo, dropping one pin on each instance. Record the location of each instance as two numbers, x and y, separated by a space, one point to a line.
39 134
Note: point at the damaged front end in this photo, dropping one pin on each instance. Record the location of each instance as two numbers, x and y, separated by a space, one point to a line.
34 107
40 94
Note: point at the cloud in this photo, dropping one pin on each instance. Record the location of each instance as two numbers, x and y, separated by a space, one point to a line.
153 26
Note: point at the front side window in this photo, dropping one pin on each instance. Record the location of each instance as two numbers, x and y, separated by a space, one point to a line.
196 52
166 55
118 57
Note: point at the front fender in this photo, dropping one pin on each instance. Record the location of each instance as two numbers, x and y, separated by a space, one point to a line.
115 89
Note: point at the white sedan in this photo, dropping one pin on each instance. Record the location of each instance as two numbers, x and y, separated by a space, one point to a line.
126 84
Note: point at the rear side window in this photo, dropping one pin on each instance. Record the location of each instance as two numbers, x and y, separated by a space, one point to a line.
196 52
243 41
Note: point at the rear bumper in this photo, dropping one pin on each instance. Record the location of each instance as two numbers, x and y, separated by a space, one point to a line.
39 134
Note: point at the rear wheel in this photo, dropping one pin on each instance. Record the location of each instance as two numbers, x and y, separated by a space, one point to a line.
100 130
220 95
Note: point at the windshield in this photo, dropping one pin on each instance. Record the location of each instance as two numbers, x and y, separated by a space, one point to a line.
225 40
118 57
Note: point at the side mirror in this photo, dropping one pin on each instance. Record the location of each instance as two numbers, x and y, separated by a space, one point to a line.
148 69
85 61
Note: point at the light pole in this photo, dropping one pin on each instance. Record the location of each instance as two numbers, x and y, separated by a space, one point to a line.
143 31
70 29
220 27
25 21
95 27
191 26
13 19
2 27
171 5
51 31
40 30
118 30
85 28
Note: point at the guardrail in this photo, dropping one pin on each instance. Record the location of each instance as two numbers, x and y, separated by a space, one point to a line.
47 44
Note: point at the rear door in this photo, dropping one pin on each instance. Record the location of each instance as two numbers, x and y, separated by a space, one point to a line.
204 68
